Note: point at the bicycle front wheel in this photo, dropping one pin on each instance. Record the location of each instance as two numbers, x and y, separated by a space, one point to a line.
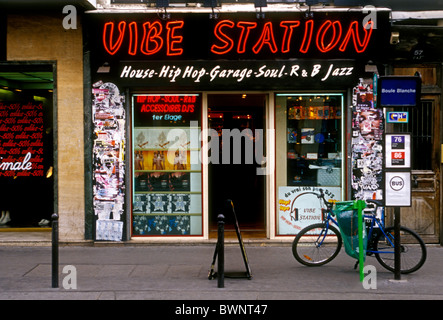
317 244
412 250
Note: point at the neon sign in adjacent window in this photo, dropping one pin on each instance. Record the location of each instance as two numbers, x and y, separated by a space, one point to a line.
21 139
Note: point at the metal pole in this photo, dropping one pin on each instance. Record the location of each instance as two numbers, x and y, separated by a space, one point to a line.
54 250
221 251
397 248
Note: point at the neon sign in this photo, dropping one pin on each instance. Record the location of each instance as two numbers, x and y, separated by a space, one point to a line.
328 36
339 35
165 109
166 103
152 40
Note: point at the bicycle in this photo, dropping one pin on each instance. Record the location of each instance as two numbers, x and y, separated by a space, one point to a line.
318 244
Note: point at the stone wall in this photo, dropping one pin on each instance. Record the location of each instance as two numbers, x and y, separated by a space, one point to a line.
42 37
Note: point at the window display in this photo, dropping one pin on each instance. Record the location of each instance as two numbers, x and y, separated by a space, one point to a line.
167 169
309 156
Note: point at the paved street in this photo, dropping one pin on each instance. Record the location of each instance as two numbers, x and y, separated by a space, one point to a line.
170 272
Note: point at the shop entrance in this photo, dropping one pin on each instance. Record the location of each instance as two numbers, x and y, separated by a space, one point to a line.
237 147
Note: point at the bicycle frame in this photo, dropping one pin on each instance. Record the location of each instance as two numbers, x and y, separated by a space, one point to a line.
374 222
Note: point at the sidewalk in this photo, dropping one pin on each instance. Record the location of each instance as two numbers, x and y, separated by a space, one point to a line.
171 272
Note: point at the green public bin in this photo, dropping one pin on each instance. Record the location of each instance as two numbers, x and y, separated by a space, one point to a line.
348 214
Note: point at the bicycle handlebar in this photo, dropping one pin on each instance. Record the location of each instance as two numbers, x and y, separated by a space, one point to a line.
322 196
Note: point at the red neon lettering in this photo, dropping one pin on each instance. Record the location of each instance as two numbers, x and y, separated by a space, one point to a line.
108 36
245 29
165 107
133 38
329 35
287 36
353 32
336 35
151 34
267 37
309 27
172 39
226 40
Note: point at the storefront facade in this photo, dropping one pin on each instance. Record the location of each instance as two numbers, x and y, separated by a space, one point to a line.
41 94
157 116
189 111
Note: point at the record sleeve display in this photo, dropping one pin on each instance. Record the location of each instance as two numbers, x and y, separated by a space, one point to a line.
309 157
314 139
167 169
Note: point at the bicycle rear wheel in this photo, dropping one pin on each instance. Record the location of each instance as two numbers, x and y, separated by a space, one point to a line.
412 252
316 244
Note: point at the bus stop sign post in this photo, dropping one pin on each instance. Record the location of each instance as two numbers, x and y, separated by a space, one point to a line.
394 92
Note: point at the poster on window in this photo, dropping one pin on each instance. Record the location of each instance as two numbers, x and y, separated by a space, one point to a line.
299 207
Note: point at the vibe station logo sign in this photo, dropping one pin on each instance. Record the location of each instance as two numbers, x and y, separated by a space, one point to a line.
152 37
240 36
238 51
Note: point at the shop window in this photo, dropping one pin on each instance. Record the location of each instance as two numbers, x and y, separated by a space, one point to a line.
167 194
26 145
309 143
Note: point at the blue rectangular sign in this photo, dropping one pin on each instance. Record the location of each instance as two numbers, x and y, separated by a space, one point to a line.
399 91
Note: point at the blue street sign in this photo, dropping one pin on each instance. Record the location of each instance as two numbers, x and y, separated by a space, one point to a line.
398 91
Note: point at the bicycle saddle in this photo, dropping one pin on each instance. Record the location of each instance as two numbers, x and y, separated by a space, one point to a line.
376 202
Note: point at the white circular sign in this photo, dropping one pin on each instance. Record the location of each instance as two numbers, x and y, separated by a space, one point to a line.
397 183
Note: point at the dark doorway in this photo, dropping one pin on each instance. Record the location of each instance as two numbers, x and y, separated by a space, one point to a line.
237 147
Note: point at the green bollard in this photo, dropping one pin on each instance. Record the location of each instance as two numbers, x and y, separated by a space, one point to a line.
360 205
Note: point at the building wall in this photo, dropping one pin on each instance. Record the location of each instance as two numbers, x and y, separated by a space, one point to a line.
42 37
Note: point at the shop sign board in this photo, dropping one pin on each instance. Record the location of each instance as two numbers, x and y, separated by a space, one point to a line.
193 36
300 206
